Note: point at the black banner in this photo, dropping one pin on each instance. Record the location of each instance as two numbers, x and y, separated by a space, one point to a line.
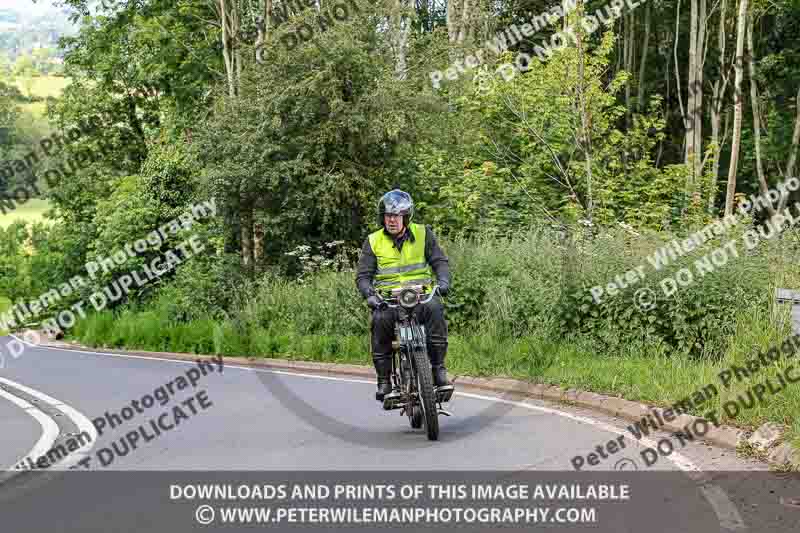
82 502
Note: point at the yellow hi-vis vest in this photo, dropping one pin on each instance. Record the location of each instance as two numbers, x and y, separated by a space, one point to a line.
397 268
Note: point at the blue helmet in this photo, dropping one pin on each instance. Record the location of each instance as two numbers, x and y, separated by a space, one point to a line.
396 202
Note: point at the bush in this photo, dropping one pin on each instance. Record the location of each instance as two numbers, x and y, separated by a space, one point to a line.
204 287
326 304
514 284
14 274
697 319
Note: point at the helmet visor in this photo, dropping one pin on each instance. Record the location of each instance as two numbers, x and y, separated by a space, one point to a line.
397 203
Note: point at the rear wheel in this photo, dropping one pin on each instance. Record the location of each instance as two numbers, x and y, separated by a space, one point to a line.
430 415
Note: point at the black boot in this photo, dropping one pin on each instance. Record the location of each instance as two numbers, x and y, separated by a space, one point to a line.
437 354
383 368
440 376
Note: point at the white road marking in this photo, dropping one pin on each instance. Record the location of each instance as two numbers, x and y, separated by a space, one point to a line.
725 510
83 423
729 517
49 430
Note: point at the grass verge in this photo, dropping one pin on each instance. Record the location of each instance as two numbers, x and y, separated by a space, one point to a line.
642 373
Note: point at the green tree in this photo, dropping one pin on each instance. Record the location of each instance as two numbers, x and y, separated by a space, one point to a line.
534 166
312 138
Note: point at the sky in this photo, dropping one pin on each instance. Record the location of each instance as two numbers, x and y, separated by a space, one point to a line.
27 6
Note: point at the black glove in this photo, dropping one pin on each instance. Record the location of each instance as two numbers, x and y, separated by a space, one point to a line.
375 302
444 288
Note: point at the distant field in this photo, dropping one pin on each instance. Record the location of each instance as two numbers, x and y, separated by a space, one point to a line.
37 109
45 86
31 211
42 86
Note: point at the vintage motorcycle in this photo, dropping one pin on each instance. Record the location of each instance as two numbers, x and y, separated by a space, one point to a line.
413 390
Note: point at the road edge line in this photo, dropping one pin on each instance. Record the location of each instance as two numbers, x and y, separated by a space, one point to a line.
50 431
79 419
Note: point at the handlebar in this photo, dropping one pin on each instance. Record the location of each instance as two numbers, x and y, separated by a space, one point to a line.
393 301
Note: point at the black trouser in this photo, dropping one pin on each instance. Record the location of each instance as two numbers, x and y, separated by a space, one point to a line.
431 315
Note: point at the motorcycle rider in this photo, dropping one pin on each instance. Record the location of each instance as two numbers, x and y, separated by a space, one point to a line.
398 253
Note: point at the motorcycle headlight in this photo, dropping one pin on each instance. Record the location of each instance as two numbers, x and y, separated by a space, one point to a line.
408 298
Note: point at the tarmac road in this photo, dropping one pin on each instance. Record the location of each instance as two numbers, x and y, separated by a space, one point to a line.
244 421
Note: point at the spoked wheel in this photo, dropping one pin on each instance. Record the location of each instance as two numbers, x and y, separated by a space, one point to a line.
430 415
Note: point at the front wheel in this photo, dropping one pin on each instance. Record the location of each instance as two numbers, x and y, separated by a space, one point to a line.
430 414
416 417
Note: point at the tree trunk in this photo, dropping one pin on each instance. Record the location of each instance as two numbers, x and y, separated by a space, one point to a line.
258 245
627 45
263 27
668 84
716 105
741 19
677 66
792 151
452 21
246 215
585 119
465 19
697 110
619 64
716 121
756 108
645 45
263 22
231 52
227 50
400 31
689 146
236 31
